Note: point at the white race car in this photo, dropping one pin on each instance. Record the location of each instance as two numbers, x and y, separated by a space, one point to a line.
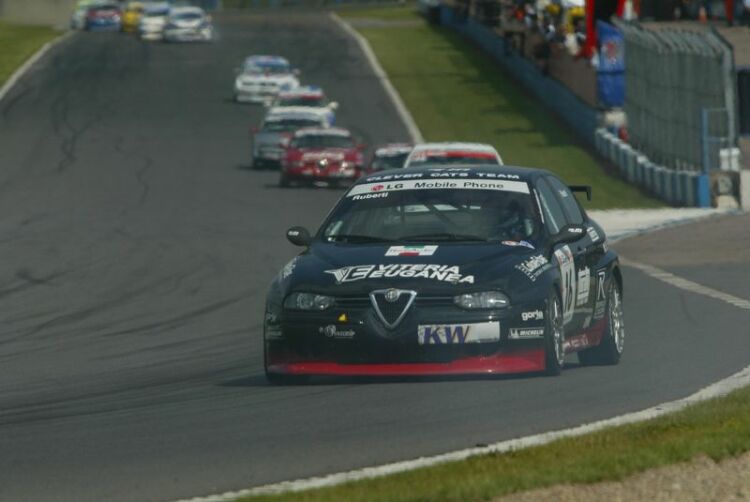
153 20
308 96
445 154
188 24
261 78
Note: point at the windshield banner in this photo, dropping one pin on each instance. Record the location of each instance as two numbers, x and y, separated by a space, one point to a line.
440 184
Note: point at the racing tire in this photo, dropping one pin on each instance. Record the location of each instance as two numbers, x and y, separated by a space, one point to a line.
609 350
554 337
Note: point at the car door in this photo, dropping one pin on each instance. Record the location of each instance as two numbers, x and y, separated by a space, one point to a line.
563 255
584 252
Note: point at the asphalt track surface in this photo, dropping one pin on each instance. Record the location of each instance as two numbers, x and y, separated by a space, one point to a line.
137 245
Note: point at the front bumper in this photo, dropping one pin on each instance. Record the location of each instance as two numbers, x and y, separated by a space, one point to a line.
188 35
321 344
333 172
255 94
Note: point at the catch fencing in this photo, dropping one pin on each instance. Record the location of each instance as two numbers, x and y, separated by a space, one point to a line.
681 97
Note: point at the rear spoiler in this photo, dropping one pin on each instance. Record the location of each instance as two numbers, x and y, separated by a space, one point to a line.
581 188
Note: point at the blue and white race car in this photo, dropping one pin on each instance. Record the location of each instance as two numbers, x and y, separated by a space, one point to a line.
261 78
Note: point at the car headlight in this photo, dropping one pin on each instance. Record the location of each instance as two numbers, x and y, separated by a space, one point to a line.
482 300
308 301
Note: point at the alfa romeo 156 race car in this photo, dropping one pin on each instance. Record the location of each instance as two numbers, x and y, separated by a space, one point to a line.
328 155
446 153
466 270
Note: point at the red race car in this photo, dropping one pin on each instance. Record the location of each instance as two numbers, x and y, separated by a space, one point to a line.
321 154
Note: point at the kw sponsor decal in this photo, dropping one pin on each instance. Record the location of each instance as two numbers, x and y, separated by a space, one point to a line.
525 333
584 283
533 267
440 184
445 273
411 251
535 315
458 334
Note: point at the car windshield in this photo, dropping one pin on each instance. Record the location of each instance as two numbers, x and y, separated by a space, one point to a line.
323 141
434 215
266 69
389 161
187 16
104 9
441 159
317 101
155 13
288 125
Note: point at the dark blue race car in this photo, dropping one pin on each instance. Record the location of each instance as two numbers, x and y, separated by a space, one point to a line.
434 271
103 17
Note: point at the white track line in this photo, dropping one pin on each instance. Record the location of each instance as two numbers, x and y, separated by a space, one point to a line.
26 66
403 112
721 388
687 285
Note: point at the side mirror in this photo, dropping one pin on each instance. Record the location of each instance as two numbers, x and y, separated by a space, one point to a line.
569 233
299 236
333 105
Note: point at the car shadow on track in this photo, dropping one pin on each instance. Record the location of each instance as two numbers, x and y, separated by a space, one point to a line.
259 380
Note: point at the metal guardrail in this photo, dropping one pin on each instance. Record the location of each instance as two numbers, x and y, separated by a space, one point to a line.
681 96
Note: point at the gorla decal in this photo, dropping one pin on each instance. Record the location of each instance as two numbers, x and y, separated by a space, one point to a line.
445 273
411 251
534 315
533 267
458 334
584 283
567 272
525 333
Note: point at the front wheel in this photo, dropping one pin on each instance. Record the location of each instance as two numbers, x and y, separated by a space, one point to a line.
554 337
609 350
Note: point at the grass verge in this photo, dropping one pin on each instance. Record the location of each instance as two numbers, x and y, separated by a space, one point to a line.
718 428
456 92
18 43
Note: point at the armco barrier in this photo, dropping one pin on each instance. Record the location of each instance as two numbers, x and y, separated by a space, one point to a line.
558 98
681 188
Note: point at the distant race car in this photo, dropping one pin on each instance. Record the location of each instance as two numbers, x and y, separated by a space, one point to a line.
438 154
261 78
131 16
188 24
152 22
270 140
446 271
321 154
390 156
306 96
78 19
103 17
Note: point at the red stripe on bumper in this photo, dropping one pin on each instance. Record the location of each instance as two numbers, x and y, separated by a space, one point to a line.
522 361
